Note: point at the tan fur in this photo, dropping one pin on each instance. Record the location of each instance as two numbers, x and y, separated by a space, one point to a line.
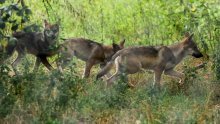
160 59
39 44
87 50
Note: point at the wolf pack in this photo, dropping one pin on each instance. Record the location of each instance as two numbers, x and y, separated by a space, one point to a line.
160 59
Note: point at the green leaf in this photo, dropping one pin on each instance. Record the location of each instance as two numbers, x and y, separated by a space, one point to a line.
32 28
12 21
6 17
24 19
2 25
2 8
15 7
14 27
28 11
2 1
5 8
20 13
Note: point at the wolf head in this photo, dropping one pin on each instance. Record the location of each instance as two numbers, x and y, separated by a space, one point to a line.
111 50
191 47
51 31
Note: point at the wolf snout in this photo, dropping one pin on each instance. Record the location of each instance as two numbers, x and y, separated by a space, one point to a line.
197 55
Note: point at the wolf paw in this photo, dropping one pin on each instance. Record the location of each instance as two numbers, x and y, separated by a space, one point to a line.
181 82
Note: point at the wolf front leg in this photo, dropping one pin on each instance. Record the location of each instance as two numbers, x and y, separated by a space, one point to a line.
88 67
64 59
176 74
118 71
113 78
45 62
102 65
94 58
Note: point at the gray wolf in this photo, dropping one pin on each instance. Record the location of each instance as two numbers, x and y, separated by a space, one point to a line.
39 44
160 59
87 50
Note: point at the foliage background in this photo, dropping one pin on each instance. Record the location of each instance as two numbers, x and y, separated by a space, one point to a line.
66 98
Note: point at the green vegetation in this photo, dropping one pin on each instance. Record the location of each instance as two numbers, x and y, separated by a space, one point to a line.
54 97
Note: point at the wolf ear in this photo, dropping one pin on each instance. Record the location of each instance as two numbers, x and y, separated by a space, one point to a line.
46 24
187 34
188 37
121 44
191 36
59 21
115 47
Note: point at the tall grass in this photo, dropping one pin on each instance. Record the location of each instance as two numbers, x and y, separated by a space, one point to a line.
140 22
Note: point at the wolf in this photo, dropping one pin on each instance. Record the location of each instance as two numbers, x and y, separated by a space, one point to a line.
86 50
160 59
39 44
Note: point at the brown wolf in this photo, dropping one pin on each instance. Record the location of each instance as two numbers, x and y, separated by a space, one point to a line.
160 59
39 44
87 50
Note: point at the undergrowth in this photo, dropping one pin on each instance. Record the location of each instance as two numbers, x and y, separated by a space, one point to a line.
66 98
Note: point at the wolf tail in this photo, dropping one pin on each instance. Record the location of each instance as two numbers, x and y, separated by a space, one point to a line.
9 49
108 66
12 44
18 34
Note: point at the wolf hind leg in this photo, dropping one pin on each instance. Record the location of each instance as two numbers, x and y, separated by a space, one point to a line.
157 78
17 61
37 64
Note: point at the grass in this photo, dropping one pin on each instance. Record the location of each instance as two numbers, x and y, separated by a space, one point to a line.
53 97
